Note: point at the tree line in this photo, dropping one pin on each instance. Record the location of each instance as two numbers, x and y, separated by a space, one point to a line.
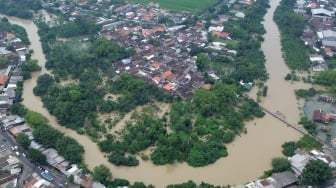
20 8
295 53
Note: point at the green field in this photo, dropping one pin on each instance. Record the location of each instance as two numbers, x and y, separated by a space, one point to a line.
180 5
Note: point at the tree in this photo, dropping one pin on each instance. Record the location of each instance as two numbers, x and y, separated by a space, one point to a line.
37 156
28 67
43 82
202 61
18 109
308 143
280 164
316 172
288 148
102 174
34 119
23 140
71 179
4 62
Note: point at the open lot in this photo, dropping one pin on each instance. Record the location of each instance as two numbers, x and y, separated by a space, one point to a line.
181 5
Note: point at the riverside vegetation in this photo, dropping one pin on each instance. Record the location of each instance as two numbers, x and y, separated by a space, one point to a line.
193 131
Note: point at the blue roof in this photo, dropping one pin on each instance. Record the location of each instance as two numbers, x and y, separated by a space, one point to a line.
47 176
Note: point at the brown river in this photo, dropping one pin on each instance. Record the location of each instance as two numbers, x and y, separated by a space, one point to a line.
249 155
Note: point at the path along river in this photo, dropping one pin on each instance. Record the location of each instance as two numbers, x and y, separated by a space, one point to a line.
249 155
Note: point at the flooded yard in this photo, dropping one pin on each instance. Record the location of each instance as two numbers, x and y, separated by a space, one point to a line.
313 104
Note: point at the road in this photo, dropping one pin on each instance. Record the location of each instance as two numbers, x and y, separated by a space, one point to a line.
28 167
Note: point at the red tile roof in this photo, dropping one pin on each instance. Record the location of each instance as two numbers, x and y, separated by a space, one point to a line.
207 86
167 74
168 86
3 79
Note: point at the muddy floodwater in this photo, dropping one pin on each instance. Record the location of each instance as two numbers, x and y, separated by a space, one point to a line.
249 155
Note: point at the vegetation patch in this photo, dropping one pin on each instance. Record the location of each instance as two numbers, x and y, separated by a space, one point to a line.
192 6
295 53
20 8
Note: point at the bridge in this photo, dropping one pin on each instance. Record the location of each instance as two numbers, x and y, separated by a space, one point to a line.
294 126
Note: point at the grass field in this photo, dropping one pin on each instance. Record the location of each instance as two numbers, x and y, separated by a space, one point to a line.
180 5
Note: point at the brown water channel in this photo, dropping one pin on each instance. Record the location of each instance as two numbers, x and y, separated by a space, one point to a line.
249 155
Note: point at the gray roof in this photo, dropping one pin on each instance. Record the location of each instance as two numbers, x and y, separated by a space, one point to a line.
298 162
284 179
329 35
329 43
321 11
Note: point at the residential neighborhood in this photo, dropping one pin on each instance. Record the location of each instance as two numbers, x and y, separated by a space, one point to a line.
20 172
162 42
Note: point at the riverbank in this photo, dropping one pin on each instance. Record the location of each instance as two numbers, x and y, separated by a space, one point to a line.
249 155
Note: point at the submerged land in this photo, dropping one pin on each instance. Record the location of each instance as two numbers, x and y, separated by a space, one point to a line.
159 83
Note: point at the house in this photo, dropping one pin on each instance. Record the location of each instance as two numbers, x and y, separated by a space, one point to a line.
84 181
322 13
328 38
319 68
316 58
220 34
30 183
285 179
156 79
166 75
3 80
98 185
240 15
4 52
298 162
216 28
169 86
155 65
207 86
320 116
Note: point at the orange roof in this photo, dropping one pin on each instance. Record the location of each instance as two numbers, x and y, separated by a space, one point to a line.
15 131
30 183
157 79
3 79
220 34
216 33
10 36
207 86
156 65
158 29
167 74
168 86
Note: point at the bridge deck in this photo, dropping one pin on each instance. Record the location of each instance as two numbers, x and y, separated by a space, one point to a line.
296 127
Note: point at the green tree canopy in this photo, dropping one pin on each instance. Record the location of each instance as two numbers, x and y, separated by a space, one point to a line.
280 164
102 174
18 109
34 119
23 140
37 156
316 172
288 148
3 62
202 61
43 82
308 143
